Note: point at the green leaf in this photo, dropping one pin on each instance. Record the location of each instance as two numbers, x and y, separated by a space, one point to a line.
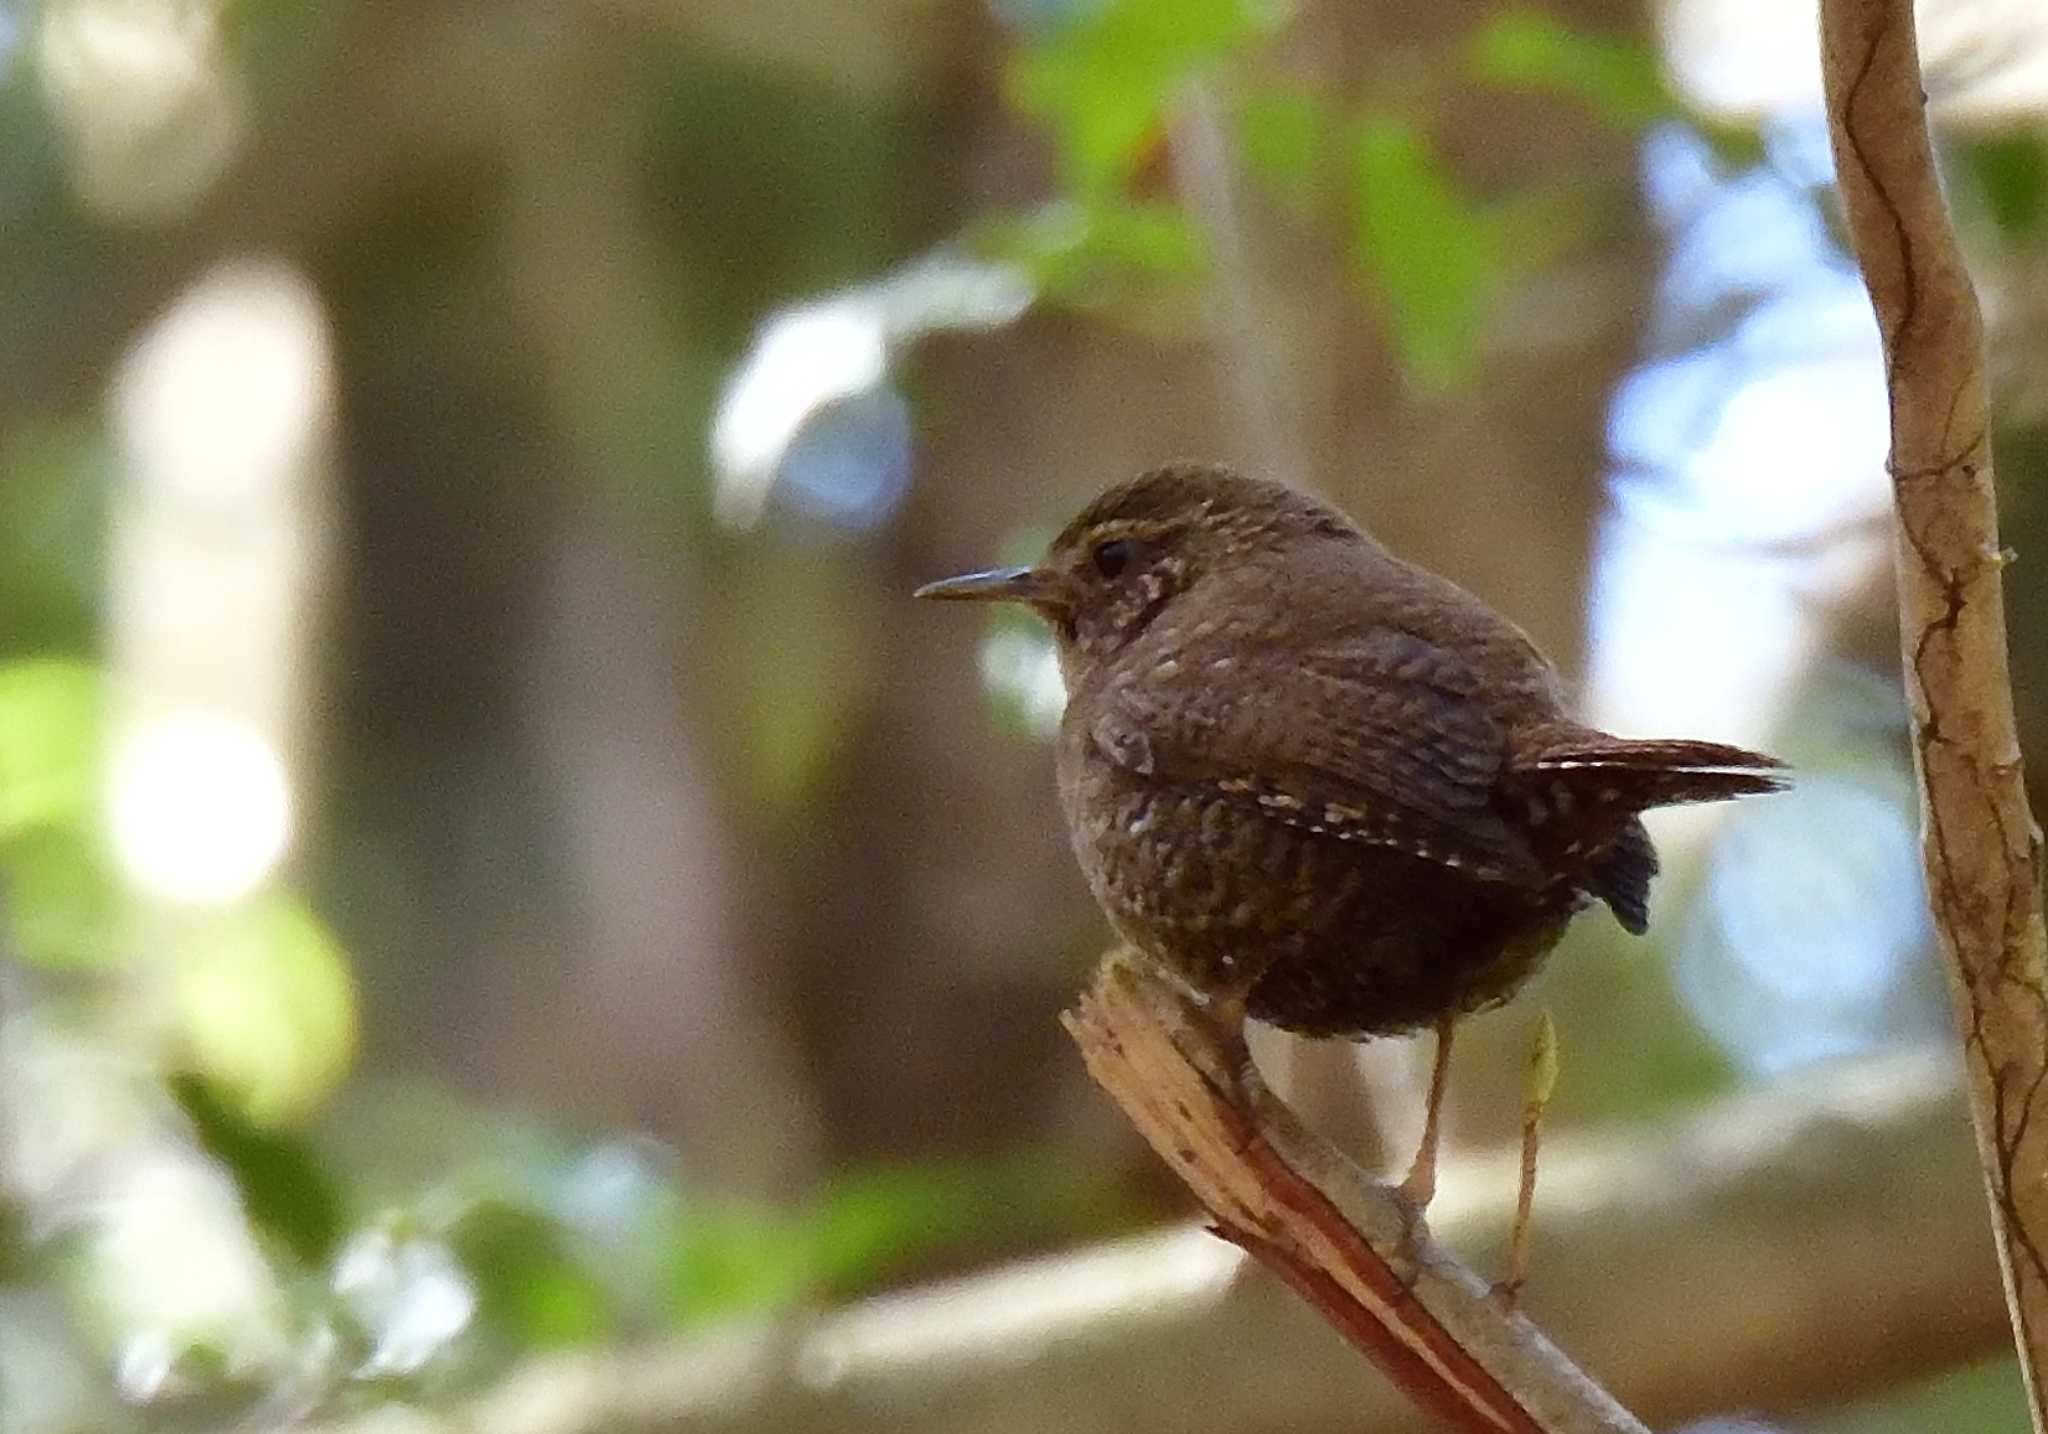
64 904
1091 252
1279 128
267 1006
1429 254
49 744
730 1262
283 1185
1619 78
868 1226
530 1287
872 1224
1103 81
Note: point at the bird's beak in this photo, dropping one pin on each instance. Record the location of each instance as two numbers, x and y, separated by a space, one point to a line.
995 585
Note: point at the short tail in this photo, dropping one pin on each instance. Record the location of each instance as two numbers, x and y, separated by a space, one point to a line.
1642 774
1621 877
1583 789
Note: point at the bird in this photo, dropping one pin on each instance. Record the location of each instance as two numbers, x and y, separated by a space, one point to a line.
1318 785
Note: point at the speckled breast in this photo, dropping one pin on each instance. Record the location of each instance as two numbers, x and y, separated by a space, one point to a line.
1323 937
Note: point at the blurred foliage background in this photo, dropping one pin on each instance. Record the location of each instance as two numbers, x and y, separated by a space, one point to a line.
492 859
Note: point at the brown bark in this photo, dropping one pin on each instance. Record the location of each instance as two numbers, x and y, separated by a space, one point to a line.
1980 845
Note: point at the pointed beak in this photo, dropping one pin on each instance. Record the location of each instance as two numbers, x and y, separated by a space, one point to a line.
995 585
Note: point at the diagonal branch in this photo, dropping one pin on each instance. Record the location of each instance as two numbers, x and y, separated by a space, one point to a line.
1981 847
1345 1243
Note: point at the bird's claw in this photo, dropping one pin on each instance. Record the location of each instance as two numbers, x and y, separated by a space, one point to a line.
1410 1254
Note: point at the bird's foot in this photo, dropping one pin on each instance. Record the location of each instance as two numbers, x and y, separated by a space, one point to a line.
1418 1188
1411 1253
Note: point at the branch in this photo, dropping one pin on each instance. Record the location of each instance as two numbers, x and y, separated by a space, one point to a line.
1684 1261
1344 1242
1980 845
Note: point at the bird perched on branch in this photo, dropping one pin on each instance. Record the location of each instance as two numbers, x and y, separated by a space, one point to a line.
1319 785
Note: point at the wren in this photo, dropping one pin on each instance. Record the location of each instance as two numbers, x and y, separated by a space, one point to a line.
1318 784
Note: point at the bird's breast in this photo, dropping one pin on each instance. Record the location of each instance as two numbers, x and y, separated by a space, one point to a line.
1324 936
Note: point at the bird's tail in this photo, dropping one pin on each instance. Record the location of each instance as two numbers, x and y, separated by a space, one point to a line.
1639 774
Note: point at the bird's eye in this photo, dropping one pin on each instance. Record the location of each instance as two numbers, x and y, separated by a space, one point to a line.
1112 557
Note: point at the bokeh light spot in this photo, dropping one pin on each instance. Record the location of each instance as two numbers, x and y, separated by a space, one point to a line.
200 807
1808 927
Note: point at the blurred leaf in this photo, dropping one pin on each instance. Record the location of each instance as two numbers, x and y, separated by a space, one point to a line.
872 1224
530 1287
286 1191
49 744
64 904
1619 78
867 1227
2011 172
1279 128
735 1262
267 1006
1103 80
1088 253
1429 254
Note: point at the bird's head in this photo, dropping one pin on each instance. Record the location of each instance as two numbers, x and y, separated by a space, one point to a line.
1140 547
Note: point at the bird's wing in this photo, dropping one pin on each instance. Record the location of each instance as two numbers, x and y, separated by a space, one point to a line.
1382 738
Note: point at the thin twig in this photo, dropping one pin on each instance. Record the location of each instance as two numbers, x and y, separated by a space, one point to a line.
1542 1081
1346 1243
1980 845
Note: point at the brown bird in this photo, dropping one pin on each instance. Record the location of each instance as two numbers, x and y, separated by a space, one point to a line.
1319 785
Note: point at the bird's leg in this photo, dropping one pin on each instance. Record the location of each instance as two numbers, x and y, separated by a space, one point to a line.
1536 1098
1226 1011
1419 1188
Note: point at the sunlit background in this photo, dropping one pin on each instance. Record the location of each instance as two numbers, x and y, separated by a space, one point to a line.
493 862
